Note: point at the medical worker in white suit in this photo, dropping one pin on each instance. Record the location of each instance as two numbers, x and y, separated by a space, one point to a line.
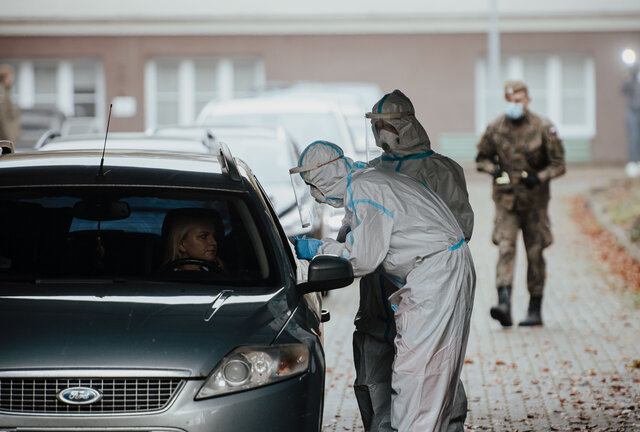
400 225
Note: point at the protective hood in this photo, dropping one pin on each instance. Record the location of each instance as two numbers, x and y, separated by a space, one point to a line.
396 109
324 167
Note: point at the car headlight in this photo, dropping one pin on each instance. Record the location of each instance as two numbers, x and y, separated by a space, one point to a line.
255 366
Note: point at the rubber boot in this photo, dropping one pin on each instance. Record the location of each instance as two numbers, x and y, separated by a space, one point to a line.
502 311
534 317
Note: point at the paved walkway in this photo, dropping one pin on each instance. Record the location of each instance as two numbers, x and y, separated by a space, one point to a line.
575 373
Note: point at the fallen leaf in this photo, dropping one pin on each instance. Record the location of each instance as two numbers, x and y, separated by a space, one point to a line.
468 361
500 363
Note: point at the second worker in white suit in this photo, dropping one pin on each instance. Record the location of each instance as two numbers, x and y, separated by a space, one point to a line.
404 227
407 150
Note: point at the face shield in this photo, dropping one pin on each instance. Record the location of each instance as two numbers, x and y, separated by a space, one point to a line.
305 195
371 150
304 201
384 136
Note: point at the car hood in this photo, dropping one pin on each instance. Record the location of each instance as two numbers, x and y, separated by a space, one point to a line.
176 329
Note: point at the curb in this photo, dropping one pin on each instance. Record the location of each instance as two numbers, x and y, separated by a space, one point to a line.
618 232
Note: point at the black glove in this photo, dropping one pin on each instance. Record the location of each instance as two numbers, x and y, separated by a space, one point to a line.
342 233
497 171
530 180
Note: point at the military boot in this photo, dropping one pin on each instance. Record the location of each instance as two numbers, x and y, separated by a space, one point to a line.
534 316
502 311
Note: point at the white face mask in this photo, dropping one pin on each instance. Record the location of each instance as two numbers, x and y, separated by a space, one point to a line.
388 141
513 110
321 198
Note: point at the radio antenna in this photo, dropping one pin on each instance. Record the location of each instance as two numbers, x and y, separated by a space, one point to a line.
100 176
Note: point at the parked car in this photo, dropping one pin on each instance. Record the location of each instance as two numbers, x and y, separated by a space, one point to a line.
354 98
307 120
36 121
270 152
101 333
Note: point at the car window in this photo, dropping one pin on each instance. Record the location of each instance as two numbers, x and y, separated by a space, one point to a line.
125 233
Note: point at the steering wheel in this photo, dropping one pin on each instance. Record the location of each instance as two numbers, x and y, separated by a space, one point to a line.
210 266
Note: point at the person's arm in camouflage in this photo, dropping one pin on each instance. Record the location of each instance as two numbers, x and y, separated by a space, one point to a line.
485 160
555 152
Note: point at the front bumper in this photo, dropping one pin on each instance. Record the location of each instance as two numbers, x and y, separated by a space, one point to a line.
291 405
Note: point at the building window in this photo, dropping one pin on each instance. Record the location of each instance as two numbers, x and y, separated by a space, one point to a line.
168 95
562 88
45 91
176 90
206 83
73 87
85 89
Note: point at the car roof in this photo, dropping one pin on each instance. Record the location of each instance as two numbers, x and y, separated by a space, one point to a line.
269 104
197 130
123 166
128 141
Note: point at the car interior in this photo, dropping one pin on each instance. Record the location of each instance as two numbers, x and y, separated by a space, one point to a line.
122 236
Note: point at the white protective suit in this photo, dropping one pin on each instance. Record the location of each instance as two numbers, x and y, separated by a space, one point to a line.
409 153
401 225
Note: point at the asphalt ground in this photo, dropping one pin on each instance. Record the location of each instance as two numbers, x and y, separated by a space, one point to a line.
580 371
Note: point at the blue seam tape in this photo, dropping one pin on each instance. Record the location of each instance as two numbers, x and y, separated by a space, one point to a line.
382 102
457 245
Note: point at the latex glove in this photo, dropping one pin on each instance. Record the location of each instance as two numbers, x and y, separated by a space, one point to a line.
497 172
530 180
342 233
306 248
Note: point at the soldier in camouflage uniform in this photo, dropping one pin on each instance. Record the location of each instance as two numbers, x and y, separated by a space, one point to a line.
9 113
523 153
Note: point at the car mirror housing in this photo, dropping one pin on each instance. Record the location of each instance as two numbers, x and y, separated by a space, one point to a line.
327 272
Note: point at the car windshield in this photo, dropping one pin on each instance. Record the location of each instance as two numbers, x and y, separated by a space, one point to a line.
126 232
305 128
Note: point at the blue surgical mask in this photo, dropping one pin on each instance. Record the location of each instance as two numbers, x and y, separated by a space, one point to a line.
513 110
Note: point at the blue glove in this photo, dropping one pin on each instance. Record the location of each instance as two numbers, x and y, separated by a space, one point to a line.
306 248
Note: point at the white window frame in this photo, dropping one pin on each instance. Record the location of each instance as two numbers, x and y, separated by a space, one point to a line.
65 98
187 86
553 94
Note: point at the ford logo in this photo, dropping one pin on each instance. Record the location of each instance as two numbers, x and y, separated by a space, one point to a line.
79 396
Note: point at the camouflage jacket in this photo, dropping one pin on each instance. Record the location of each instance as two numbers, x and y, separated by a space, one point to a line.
9 117
529 145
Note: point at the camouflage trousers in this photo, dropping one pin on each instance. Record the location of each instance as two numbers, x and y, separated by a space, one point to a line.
536 233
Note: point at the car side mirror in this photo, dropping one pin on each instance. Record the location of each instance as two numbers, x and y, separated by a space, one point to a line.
327 272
